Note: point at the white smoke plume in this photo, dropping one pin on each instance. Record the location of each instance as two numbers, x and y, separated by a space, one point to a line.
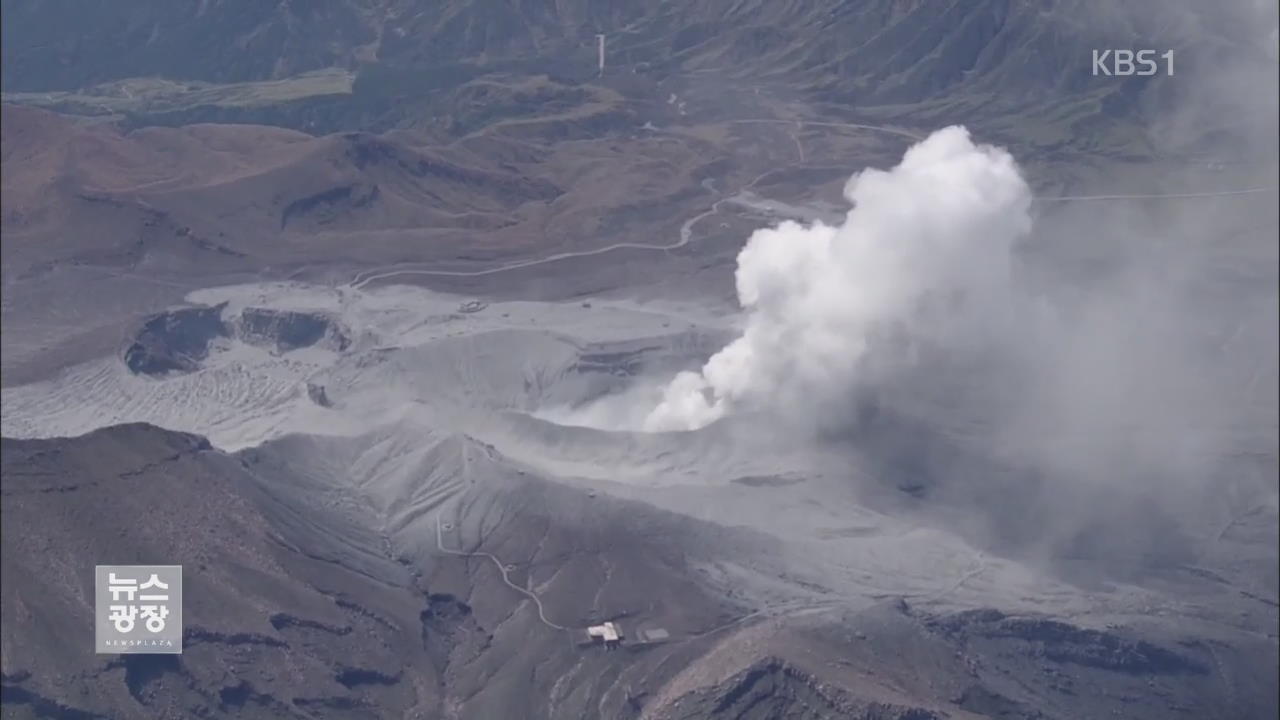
1102 389
925 251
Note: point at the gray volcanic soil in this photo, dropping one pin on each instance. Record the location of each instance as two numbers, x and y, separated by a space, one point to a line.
218 352
337 541
301 602
351 422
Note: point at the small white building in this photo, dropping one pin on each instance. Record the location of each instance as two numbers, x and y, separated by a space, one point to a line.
609 633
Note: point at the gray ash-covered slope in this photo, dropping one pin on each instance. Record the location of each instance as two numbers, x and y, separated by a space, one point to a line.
287 330
305 599
299 604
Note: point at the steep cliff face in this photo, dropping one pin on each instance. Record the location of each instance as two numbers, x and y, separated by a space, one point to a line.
176 341
286 330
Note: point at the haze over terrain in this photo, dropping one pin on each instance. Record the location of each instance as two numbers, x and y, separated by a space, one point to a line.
872 359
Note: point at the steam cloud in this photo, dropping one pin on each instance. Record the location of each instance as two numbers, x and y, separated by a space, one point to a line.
924 251
1101 389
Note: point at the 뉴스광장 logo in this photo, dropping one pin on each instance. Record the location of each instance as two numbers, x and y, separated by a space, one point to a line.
138 608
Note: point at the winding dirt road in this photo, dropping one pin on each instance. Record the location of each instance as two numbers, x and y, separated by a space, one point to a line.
366 277
503 569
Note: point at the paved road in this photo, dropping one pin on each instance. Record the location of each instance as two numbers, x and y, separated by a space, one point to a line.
686 235
686 230
846 126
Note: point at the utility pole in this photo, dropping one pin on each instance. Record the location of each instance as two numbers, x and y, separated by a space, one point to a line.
600 48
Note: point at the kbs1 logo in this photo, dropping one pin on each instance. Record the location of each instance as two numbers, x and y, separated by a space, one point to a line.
1123 63
138 608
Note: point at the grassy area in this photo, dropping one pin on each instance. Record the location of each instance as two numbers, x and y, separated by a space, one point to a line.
143 95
